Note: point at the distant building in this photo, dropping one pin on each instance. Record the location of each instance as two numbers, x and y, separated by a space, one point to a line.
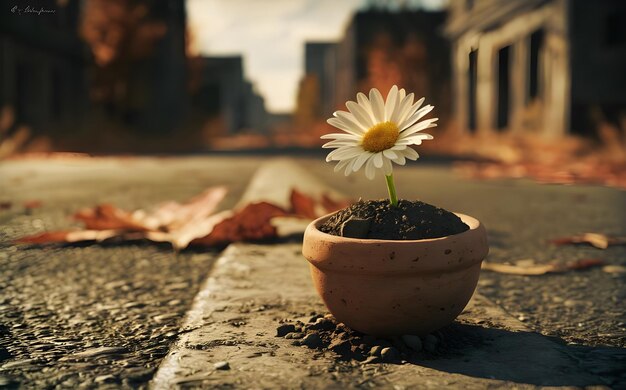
224 92
255 114
164 72
42 66
550 65
320 62
404 47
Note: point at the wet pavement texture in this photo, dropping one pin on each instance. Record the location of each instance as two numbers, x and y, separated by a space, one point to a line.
97 315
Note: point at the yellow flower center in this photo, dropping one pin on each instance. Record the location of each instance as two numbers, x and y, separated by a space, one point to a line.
381 136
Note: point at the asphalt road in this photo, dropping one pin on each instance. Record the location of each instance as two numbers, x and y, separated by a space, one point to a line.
97 315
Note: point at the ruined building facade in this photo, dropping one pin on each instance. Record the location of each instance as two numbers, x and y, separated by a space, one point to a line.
42 66
552 66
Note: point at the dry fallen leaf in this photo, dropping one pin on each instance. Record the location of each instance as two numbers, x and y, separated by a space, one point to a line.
308 207
69 236
303 205
194 222
32 204
107 217
253 222
600 241
540 269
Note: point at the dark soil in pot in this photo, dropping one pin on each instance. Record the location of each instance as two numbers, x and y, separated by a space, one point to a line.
377 219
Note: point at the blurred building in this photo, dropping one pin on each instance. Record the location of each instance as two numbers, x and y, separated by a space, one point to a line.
223 92
42 65
164 72
404 47
550 65
320 64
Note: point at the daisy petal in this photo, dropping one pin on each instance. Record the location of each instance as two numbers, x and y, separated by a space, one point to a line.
401 94
351 121
398 147
378 160
349 167
419 137
339 151
411 111
341 136
418 127
340 165
402 112
342 125
360 114
347 153
361 160
411 154
365 103
419 114
370 170
338 144
391 102
390 154
400 160
387 167
378 105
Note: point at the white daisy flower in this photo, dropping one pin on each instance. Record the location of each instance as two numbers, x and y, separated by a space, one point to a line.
377 132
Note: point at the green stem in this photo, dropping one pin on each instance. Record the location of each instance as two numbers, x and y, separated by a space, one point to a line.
391 188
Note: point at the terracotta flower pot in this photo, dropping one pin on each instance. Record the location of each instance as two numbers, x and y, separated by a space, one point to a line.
392 287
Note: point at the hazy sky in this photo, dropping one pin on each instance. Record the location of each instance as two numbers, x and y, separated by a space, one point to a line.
270 34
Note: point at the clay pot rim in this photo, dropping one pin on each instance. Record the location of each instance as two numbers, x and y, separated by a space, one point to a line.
313 228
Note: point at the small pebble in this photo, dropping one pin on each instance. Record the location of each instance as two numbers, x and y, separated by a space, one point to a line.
389 354
375 350
285 329
221 366
340 347
322 324
312 340
294 335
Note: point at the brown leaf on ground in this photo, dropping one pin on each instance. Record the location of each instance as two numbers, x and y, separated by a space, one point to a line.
69 236
32 204
106 217
174 216
302 205
308 207
597 240
193 222
170 222
250 223
541 269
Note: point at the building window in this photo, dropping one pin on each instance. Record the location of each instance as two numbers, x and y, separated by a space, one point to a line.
472 76
504 76
536 45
